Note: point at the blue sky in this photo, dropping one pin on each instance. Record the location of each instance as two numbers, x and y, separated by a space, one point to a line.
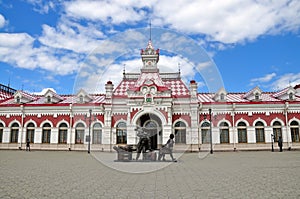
51 44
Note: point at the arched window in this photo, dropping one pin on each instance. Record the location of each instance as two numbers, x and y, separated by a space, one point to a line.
18 100
81 99
97 133
256 96
295 131
14 133
46 133
242 132
224 132
30 132
121 133
259 132
180 132
222 97
291 96
48 99
277 131
1 132
205 133
79 133
62 133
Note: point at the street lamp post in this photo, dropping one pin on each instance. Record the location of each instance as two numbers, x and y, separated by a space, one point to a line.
88 139
90 121
273 138
210 132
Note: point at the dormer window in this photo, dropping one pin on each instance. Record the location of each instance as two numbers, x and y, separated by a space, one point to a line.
291 96
81 99
222 97
18 100
256 96
48 99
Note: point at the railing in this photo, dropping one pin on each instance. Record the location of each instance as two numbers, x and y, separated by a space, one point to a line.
7 89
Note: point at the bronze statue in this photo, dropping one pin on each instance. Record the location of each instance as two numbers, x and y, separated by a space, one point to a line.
144 144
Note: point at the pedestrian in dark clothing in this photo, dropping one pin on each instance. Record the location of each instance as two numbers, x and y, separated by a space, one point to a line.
280 143
27 145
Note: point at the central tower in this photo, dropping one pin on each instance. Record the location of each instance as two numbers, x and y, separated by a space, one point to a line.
150 57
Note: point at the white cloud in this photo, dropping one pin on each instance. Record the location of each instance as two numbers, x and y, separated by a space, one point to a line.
42 6
115 12
264 79
17 49
230 21
2 21
285 80
67 37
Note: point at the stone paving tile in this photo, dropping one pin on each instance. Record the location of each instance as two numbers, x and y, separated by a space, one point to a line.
64 174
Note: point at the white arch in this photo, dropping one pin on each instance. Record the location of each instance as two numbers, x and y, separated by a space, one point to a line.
242 120
30 121
154 112
294 119
120 120
224 120
79 121
95 122
259 120
63 121
14 121
3 123
46 121
277 120
180 120
204 121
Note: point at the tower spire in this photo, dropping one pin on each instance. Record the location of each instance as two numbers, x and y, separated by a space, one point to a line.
150 30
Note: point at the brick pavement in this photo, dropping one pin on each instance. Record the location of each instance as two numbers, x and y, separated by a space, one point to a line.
64 174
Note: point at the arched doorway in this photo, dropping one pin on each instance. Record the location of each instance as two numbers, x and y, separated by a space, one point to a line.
152 125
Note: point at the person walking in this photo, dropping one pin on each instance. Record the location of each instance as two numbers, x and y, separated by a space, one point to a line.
27 145
280 143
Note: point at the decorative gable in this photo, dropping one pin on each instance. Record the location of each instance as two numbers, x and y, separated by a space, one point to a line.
286 94
22 97
52 97
83 97
220 96
253 95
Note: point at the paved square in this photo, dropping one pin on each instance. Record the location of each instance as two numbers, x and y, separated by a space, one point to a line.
64 174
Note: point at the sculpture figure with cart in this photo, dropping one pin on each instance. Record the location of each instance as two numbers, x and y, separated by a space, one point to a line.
144 147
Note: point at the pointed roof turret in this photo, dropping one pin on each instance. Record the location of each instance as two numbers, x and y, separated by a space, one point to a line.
150 57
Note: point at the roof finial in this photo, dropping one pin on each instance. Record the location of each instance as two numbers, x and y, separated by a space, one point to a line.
150 30
124 70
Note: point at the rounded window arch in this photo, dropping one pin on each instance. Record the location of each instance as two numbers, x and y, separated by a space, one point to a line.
294 126
205 132
1 132
259 131
121 133
46 133
79 133
180 132
30 132
97 133
62 133
242 132
14 133
224 132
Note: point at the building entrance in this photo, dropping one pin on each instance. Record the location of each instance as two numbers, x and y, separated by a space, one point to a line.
152 125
